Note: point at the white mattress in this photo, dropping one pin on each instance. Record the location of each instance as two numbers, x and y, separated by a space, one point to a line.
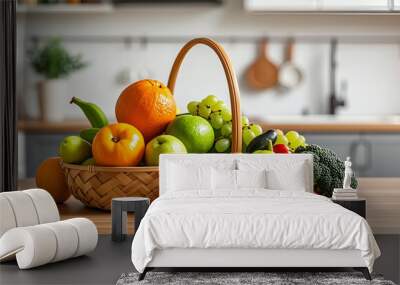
250 219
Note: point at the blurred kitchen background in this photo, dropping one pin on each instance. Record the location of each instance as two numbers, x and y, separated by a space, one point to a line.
348 53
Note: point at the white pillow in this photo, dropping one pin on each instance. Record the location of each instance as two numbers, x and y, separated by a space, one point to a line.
251 178
182 177
224 179
227 179
293 180
284 172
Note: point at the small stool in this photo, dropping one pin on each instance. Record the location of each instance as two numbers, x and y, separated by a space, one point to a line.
119 209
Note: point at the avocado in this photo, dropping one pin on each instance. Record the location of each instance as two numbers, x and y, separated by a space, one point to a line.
261 142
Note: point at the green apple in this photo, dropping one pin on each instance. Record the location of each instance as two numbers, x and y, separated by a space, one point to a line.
74 149
162 144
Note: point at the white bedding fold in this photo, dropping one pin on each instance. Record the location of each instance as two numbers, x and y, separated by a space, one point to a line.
250 219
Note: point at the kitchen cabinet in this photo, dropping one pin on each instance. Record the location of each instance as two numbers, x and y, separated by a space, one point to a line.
281 5
339 143
355 5
373 155
396 5
322 6
385 155
38 147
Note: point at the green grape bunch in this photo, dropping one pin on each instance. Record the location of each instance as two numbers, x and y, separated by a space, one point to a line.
219 116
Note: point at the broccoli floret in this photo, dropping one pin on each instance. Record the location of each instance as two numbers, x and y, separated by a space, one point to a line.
317 172
328 169
325 179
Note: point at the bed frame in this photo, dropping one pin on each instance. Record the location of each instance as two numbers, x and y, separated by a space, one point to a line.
259 259
242 259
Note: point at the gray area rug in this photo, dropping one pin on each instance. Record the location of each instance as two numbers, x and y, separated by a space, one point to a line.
269 278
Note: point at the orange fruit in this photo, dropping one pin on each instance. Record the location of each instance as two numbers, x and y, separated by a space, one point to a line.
118 144
148 105
50 177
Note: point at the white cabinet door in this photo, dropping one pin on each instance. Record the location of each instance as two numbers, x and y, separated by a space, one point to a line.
396 5
385 155
281 5
355 5
373 155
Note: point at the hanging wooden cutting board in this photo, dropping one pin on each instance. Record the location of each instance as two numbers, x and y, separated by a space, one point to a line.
262 73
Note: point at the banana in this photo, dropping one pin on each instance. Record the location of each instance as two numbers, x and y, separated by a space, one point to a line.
95 115
89 134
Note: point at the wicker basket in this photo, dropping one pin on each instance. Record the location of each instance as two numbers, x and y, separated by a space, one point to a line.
95 186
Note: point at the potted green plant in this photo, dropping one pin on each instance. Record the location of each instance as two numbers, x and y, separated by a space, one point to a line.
55 64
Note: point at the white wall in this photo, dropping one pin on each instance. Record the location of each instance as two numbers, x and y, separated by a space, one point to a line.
372 71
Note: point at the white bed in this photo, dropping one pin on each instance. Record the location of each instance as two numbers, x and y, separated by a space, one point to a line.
195 223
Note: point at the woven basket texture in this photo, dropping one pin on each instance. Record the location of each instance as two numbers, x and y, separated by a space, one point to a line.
97 188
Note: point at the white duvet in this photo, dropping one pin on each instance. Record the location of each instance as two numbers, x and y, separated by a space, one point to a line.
250 219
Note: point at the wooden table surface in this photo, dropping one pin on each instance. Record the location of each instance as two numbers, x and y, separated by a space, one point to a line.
383 203
73 208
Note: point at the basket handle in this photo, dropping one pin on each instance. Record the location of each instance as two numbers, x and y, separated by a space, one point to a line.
236 144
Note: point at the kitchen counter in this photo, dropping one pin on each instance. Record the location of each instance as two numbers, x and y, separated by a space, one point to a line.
333 128
36 126
312 123
372 142
332 124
